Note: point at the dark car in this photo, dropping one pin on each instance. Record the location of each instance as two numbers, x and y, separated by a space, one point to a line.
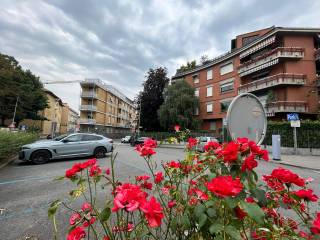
137 141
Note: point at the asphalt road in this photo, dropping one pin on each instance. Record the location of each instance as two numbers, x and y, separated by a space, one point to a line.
26 190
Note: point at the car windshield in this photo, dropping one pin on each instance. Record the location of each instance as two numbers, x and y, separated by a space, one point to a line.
60 137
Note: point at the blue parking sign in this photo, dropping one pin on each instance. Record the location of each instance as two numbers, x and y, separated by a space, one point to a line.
292 117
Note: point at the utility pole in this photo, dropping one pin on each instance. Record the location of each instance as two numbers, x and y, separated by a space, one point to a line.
15 110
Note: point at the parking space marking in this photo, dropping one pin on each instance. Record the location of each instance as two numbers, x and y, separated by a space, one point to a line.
24 180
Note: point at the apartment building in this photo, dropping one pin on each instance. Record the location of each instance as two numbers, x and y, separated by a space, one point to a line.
281 66
69 119
105 109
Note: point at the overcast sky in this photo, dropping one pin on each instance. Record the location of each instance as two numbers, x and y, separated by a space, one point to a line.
118 41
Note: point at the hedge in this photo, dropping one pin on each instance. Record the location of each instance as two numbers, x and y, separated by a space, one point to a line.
10 142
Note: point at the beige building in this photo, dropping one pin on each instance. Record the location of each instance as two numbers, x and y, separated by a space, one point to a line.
104 109
58 118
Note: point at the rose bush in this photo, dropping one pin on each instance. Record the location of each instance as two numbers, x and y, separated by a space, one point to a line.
211 195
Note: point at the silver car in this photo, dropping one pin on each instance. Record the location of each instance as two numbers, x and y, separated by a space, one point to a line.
66 146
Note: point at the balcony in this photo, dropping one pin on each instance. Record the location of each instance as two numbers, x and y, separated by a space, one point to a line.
317 54
87 121
286 106
88 108
318 81
273 81
269 59
89 94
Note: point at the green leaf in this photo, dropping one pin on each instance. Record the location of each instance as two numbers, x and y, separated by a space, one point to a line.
254 211
209 203
233 232
215 228
59 178
260 195
186 221
105 214
211 176
53 208
202 220
211 212
231 202
199 209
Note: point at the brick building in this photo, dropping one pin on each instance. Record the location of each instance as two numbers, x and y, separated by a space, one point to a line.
281 66
104 109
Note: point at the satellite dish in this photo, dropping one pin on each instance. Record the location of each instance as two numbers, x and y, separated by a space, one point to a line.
246 117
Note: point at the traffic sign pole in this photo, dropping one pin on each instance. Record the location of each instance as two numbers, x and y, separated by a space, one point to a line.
295 143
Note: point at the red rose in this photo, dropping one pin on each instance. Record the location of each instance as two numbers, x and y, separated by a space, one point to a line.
191 143
306 194
158 177
173 164
71 173
76 234
177 128
108 171
144 151
143 177
153 212
250 200
172 203
146 185
106 238
249 163
230 152
210 146
95 170
149 142
225 186
240 213
87 223
86 207
129 197
88 163
200 194
74 218
286 176
315 228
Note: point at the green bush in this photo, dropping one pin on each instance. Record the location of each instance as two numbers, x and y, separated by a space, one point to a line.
308 134
10 142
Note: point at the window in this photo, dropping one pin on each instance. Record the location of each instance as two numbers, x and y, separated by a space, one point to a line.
74 138
196 111
209 107
209 74
196 92
226 68
90 138
209 91
226 85
212 125
224 106
195 79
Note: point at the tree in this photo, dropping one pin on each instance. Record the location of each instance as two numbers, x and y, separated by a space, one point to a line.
151 98
179 106
189 66
204 59
22 84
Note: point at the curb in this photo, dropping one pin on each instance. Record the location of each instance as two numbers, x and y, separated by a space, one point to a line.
9 160
294 165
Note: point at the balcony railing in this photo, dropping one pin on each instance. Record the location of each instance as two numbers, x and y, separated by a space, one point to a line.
273 81
269 58
87 121
318 81
89 95
88 108
317 54
286 106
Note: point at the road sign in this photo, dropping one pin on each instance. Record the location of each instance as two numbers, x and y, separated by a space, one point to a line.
225 123
295 123
292 117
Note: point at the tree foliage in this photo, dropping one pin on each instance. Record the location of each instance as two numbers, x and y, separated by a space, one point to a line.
16 82
178 107
189 66
151 98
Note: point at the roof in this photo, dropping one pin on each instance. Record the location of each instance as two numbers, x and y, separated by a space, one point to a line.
53 95
235 52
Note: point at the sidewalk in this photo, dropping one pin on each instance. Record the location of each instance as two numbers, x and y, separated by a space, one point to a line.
308 162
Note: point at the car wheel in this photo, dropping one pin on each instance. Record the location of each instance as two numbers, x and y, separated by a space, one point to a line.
100 152
40 157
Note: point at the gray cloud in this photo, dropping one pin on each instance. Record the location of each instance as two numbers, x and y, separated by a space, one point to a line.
118 41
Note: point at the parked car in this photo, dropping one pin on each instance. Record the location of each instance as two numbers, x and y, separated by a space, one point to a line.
137 141
66 146
126 139
203 140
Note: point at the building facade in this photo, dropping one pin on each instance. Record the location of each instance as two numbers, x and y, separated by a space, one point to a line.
104 109
281 66
69 119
